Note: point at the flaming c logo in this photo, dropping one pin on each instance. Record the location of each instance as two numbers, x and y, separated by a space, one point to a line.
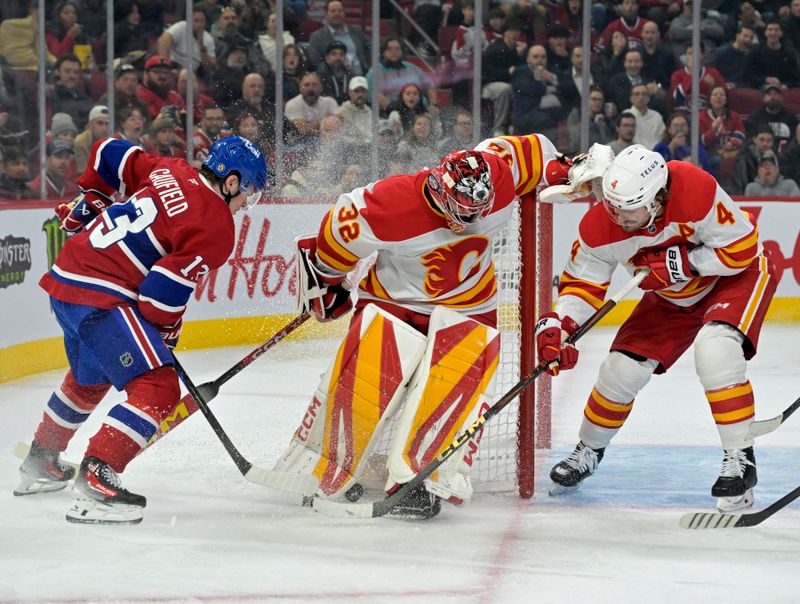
450 265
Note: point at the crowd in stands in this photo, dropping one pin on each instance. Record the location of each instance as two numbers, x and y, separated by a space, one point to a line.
640 86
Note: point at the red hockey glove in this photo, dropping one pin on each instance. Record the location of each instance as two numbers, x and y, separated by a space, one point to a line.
550 335
668 266
81 210
321 294
171 333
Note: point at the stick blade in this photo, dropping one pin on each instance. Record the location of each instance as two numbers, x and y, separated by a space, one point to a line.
283 481
339 509
710 520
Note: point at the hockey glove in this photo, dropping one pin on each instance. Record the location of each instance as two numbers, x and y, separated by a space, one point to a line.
325 296
171 333
550 335
668 266
81 210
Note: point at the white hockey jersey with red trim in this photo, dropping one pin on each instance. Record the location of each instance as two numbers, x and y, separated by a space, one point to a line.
420 262
149 250
721 239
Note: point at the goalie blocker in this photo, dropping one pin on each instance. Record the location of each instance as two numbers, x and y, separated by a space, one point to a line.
435 385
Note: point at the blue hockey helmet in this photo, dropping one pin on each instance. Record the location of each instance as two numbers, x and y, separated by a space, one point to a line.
237 154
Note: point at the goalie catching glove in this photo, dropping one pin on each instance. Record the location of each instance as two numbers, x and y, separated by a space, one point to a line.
551 331
584 175
325 296
84 208
668 266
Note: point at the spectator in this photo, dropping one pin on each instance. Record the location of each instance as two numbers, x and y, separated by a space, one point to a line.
649 123
626 131
681 82
675 141
461 51
618 89
267 41
731 59
257 102
206 133
14 181
225 25
335 28
658 60
229 78
774 114
356 117
334 73
569 13
172 43
773 62
790 24
12 133
126 82
246 124
311 180
532 14
558 54
575 71
417 148
306 110
156 91
721 130
769 182
388 138
790 158
395 72
747 159
543 95
497 21
405 108
68 95
428 15
293 69
201 100
628 22
601 128
63 127
96 129
610 60
461 135
500 60
131 125
64 31
712 34
19 44
59 157
161 139
130 34
749 16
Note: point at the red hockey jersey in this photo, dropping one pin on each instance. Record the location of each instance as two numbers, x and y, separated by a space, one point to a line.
150 249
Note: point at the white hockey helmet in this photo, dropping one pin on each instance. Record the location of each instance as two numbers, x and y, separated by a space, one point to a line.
633 180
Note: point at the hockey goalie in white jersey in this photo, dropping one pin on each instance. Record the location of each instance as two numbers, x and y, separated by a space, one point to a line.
422 342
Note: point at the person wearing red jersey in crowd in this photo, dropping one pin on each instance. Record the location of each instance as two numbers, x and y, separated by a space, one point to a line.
422 343
59 157
207 131
709 285
681 81
119 288
629 22
156 89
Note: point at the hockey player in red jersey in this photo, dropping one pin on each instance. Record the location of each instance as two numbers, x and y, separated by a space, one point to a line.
709 285
119 289
422 345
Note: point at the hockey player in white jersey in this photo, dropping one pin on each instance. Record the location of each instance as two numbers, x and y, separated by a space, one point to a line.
709 285
422 342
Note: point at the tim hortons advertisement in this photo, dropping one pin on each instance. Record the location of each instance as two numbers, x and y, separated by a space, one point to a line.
258 279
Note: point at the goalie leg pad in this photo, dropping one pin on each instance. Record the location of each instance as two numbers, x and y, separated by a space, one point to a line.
720 365
453 384
355 398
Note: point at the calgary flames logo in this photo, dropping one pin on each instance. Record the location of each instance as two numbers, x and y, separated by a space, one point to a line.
450 265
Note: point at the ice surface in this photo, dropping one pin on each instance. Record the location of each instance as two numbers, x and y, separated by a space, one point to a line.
210 536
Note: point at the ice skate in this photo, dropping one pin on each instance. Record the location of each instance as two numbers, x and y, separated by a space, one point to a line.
734 487
567 475
43 471
100 498
419 505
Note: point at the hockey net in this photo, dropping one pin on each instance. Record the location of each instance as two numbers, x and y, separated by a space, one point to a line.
523 269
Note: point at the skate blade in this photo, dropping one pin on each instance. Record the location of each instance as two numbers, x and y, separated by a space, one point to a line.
556 490
89 511
34 486
727 505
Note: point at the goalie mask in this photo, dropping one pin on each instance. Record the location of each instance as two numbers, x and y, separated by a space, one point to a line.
462 188
633 181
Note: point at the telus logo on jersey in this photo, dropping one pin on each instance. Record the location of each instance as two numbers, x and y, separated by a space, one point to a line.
15 260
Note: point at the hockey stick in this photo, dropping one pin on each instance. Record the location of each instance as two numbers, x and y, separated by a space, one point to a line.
293 483
343 509
765 426
712 520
